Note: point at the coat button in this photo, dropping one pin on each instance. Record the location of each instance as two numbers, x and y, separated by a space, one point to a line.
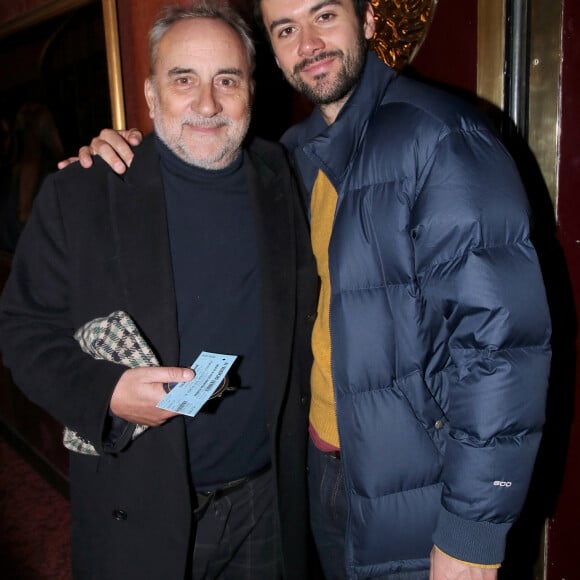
303 400
439 424
311 317
119 515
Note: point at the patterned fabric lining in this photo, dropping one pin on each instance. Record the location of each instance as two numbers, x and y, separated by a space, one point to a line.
115 338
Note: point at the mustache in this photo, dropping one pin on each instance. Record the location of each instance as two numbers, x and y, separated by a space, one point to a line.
299 67
207 123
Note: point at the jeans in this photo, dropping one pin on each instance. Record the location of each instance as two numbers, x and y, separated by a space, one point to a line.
329 513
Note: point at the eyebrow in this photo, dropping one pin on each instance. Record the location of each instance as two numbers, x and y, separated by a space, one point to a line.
176 71
312 10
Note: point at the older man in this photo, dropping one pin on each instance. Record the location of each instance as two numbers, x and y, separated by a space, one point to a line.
204 245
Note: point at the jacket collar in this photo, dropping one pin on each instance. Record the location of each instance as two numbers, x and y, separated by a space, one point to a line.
331 148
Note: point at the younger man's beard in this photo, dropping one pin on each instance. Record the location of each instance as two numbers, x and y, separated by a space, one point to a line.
325 93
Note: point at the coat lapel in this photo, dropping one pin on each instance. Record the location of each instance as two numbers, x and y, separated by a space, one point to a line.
140 225
276 252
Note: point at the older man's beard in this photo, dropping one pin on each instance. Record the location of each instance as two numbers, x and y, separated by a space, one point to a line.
326 91
224 156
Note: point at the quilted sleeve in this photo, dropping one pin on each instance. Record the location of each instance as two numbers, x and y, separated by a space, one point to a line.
479 274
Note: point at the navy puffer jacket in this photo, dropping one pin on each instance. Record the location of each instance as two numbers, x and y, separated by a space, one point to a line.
439 323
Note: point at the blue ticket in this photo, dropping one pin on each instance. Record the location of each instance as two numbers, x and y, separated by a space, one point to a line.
189 397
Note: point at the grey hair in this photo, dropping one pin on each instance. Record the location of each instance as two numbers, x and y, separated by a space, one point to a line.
216 10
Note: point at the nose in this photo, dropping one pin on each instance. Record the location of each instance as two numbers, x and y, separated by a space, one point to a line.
310 42
207 103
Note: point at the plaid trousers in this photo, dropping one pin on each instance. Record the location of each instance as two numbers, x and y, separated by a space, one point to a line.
236 538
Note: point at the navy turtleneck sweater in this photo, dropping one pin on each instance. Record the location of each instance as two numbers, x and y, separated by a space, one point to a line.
217 282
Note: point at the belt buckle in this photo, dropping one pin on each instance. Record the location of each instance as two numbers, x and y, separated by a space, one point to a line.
204 499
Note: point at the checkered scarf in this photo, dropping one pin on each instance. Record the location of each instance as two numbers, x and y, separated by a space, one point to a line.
115 338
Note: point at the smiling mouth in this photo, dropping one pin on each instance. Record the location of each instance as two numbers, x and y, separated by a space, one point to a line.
319 61
203 129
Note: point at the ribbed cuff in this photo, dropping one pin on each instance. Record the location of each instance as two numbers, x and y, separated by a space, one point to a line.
475 542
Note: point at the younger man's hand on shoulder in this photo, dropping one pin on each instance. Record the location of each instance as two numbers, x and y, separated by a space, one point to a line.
113 146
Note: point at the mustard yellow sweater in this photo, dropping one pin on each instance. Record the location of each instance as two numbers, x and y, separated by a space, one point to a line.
322 409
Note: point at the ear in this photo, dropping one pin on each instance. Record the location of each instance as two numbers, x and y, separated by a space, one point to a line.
369 22
277 61
150 96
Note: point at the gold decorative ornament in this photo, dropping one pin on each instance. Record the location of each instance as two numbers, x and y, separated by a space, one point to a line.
401 27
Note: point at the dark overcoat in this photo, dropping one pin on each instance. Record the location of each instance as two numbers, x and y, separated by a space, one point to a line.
98 242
